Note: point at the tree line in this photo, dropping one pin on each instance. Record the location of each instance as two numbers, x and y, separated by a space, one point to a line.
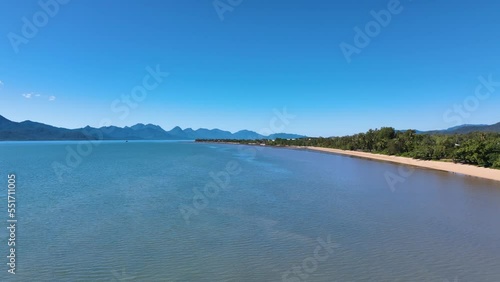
477 148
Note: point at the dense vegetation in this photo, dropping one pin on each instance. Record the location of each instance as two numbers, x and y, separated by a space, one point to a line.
478 148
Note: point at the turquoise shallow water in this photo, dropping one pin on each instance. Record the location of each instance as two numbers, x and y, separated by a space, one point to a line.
116 216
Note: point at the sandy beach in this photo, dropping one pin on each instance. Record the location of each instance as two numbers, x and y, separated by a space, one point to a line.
487 173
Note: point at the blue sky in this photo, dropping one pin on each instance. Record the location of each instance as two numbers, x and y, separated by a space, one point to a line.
232 72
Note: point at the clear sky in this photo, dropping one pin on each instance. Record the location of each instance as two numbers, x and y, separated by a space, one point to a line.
231 65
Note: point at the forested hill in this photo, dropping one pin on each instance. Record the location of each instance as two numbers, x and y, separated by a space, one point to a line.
477 148
468 128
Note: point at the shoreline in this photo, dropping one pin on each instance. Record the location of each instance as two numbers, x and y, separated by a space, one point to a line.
464 169
469 170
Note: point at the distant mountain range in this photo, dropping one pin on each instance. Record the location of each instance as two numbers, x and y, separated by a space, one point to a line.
467 128
29 130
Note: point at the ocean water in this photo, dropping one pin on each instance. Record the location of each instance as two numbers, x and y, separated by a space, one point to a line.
183 211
